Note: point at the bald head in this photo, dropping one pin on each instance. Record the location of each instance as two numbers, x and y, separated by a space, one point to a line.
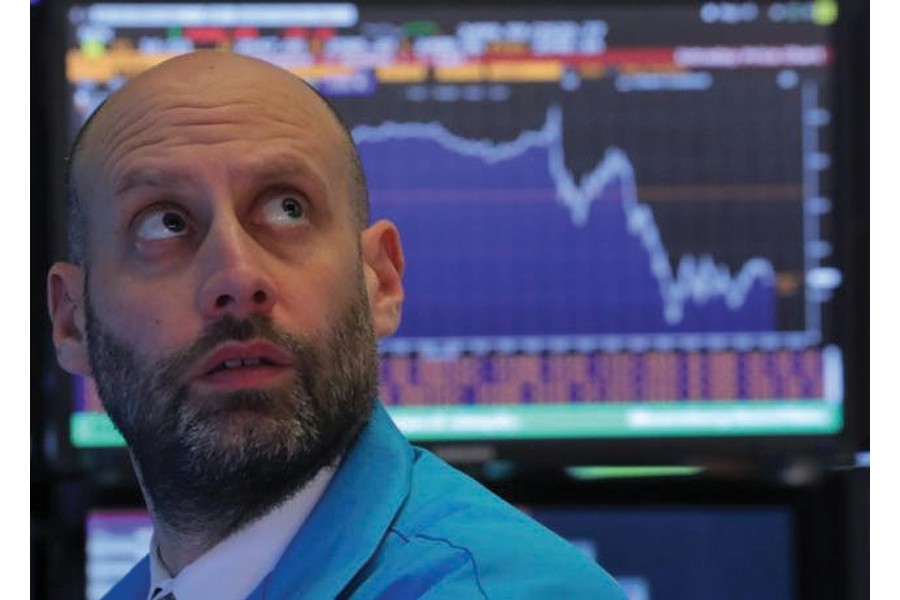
211 84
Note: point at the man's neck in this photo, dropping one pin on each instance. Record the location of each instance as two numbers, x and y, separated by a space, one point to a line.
178 547
188 526
176 550
265 538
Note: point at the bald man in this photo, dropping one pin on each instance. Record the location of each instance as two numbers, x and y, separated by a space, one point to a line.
225 293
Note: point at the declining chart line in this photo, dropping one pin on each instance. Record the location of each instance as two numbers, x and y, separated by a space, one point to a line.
696 278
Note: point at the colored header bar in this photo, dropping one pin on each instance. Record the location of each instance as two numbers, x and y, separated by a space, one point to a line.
222 15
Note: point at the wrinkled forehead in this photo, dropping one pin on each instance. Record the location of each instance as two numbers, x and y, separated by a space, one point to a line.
207 92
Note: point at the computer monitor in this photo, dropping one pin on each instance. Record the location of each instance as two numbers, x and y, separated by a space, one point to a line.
655 553
621 220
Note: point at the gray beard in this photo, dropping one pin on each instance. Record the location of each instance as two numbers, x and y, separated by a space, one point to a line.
212 463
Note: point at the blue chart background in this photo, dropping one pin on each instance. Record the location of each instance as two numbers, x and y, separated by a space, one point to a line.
500 241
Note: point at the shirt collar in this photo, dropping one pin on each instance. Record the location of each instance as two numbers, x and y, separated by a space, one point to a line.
350 521
235 566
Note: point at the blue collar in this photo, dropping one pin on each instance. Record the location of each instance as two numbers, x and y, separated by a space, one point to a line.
347 525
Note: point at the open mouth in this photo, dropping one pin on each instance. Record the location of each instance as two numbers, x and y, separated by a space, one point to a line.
253 364
237 363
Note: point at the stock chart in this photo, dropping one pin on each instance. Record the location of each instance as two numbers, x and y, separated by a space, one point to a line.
616 222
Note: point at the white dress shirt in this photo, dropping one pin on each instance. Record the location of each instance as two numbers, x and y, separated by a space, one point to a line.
233 568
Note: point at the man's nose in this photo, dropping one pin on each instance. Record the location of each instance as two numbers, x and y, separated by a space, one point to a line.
235 280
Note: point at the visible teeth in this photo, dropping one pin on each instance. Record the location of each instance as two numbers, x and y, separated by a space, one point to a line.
234 363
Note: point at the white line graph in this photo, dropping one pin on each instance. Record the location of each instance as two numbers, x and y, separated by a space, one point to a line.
695 279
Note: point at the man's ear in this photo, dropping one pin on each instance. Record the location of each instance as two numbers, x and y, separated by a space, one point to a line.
65 300
383 266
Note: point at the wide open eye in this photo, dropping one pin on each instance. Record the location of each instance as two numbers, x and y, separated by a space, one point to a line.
161 224
285 210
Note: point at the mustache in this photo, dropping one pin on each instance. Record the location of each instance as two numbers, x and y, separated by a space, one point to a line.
224 330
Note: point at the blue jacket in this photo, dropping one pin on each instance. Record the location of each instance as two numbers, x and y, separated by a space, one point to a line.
398 522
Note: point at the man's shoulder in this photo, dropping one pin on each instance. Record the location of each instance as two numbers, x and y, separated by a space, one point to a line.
465 538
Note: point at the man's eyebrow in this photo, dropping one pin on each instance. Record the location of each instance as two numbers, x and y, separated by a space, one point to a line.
153 178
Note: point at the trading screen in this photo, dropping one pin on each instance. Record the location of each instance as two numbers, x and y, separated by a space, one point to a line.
618 221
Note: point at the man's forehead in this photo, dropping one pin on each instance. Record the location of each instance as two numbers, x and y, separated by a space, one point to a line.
207 79
264 165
